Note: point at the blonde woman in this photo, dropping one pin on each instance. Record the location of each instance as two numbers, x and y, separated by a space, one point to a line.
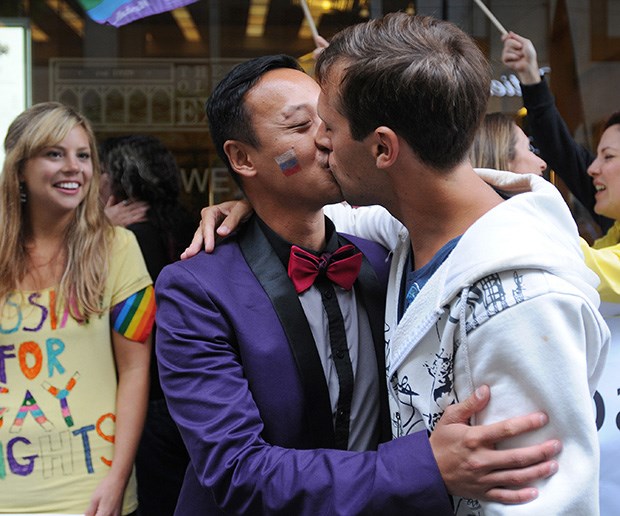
502 145
76 309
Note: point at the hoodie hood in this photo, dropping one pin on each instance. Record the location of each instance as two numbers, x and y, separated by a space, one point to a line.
533 228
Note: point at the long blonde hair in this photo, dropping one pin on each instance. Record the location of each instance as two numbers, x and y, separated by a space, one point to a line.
88 237
495 142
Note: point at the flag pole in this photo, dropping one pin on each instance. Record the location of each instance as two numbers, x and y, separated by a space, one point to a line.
491 17
310 20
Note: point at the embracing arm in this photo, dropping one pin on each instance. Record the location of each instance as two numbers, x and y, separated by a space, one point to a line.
209 395
132 364
218 220
372 223
472 466
541 354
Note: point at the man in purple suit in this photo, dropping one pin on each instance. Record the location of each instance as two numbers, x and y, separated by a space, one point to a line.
276 380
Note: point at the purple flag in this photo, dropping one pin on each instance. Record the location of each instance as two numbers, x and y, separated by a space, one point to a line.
121 12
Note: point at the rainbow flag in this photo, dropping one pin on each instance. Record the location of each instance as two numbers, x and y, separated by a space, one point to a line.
122 12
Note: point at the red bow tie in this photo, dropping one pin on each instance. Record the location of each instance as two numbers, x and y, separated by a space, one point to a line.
341 267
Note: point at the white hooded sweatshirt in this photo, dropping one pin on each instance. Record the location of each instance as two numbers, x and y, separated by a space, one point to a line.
528 327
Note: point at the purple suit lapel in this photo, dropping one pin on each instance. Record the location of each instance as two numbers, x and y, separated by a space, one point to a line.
270 273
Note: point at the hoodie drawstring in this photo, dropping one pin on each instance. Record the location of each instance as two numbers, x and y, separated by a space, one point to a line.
463 315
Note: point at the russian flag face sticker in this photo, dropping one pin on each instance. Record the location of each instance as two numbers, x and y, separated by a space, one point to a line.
288 163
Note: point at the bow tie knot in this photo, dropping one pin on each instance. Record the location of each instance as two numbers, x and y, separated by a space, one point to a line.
341 267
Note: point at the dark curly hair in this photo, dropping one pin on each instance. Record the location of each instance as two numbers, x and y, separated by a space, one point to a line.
142 168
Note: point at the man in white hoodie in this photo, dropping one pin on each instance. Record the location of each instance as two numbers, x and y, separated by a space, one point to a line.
488 287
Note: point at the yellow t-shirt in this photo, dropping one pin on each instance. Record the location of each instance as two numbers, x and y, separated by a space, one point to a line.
604 259
58 394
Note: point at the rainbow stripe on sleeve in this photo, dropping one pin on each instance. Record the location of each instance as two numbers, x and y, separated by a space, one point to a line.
133 318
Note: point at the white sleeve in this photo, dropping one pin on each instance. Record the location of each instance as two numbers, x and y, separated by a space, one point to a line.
542 354
370 222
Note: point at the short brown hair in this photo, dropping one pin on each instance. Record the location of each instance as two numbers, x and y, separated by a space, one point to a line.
424 78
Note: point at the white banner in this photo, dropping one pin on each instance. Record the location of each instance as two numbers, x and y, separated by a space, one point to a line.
607 404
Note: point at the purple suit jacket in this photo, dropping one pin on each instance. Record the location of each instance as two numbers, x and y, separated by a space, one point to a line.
245 385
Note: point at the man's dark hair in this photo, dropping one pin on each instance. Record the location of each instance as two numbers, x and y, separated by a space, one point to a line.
226 111
422 77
